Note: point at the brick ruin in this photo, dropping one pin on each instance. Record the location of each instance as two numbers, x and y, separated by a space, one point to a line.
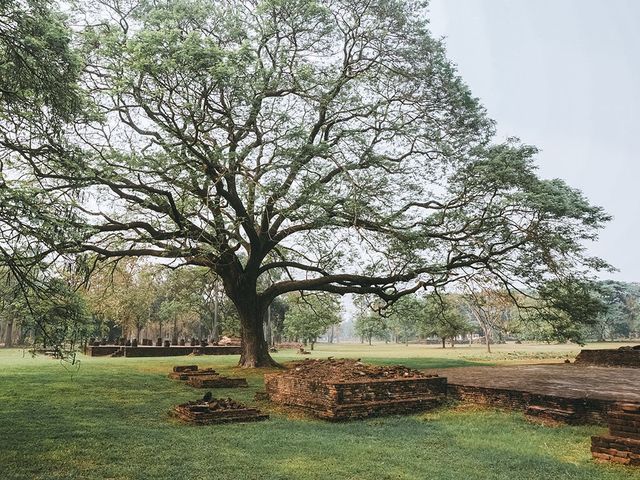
622 445
183 372
211 411
619 357
206 378
572 411
348 389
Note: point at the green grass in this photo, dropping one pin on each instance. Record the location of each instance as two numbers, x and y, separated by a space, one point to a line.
108 420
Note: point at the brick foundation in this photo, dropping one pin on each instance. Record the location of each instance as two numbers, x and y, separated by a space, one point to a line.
356 399
184 372
620 357
622 445
215 381
205 378
216 411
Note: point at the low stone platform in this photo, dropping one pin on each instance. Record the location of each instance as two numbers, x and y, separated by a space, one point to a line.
184 372
355 390
205 378
612 357
215 381
216 411
151 351
567 392
622 445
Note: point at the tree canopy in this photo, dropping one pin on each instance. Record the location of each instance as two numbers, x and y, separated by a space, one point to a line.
291 145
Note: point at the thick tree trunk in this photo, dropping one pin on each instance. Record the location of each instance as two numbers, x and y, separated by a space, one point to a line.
444 345
240 285
255 351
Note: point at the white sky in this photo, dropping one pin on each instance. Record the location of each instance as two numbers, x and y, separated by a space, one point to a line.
563 75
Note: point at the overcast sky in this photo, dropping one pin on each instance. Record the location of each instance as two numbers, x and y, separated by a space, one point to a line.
563 75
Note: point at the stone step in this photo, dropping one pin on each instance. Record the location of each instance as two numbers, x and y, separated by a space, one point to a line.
549 413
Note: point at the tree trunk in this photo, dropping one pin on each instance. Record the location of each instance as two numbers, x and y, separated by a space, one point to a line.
8 336
444 345
215 335
174 333
487 340
255 351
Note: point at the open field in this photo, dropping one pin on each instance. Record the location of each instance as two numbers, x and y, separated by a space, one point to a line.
108 420
426 356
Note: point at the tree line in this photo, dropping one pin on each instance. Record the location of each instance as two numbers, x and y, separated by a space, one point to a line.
494 317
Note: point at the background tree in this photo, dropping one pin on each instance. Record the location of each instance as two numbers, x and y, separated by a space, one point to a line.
621 315
488 307
309 316
331 141
444 319
405 317
370 325
124 294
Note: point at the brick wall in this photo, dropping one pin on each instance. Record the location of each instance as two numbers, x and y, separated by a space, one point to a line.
568 410
622 445
622 357
350 400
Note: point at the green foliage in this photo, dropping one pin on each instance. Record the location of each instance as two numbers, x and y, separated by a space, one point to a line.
562 311
48 312
621 316
370 325
406 317
309 316
38 66
444 318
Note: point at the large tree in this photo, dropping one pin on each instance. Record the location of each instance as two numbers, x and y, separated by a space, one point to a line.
328 141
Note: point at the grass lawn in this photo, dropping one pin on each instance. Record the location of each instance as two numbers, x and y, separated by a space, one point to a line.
108 420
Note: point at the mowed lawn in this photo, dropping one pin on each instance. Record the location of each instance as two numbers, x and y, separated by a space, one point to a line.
108 419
